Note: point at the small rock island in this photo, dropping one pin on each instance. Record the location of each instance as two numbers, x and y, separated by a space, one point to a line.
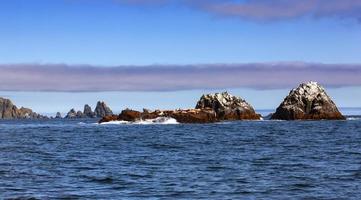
308 102
209 109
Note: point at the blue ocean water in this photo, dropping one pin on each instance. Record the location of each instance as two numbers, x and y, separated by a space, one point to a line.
78 159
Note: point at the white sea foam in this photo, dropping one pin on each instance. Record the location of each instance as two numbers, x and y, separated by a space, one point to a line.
158 120
353 118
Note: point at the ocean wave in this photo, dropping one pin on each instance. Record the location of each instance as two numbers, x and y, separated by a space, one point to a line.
158 120
353 118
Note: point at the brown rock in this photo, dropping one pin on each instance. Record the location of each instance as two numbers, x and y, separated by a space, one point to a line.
193 116
109 118
129 115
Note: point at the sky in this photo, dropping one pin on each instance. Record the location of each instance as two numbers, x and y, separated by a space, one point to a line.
166 53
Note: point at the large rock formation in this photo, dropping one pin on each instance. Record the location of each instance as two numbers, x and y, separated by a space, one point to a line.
228 107
9 111
102 110
210 108
308 102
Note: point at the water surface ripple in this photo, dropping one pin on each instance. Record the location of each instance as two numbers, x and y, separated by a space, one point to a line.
65 159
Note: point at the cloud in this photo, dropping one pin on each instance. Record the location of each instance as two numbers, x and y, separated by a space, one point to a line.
35 77
285 9
267 10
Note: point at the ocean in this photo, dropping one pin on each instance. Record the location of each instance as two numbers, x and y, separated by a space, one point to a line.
79 159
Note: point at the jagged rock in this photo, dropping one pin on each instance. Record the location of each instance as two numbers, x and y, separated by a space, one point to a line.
88 111
58 115
79 114
9 111
71 114
102 110
228 107
308 102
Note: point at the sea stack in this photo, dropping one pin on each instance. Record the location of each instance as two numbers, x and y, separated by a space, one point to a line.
102 110
308 102
228 107
88 111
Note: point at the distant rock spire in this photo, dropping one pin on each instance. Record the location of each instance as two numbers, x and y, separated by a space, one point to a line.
102 110
88 111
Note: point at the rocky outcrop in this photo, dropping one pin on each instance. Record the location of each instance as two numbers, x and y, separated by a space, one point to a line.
102 110
228 107
9 111
308 102
88 112
210 108
58 115
182 116
72 114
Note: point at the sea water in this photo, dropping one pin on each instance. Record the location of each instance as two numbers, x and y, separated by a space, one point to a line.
79 159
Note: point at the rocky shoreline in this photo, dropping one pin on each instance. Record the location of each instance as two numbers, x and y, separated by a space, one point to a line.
309 101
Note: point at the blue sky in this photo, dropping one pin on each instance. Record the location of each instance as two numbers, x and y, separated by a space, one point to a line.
109 33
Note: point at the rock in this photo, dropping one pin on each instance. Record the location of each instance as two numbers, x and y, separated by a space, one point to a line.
88 111
79 114
71 114
182 116
109 118
130 115
193 115
308 102
58 115
9 111
228 107
102 110
210 108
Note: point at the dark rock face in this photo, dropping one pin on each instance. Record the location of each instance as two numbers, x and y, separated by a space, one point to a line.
228 107
58 115
308 102
88 111
9 111
102 110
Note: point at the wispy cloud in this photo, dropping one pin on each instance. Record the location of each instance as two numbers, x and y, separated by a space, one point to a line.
267 10
285 9
35 77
